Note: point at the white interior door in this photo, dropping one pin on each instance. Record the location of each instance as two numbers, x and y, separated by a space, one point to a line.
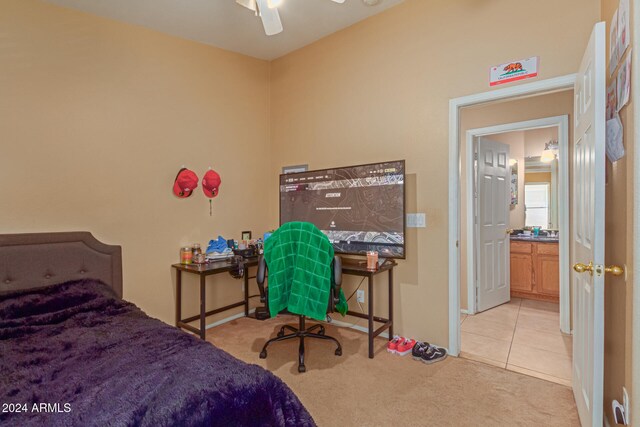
588 230
492 222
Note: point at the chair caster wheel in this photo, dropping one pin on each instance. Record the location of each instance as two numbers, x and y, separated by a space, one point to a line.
263 354
302 368
338 352
321 331
280 334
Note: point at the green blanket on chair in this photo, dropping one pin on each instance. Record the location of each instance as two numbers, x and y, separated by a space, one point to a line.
299 258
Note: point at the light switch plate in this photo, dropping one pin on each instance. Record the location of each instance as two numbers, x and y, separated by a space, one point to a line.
416 220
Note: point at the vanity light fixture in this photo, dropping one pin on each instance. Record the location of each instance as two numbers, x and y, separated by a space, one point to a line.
550 152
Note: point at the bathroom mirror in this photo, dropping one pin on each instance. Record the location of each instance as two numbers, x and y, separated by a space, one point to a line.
541 193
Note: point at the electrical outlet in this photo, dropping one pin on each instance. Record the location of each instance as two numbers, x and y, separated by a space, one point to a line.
625 404
360 295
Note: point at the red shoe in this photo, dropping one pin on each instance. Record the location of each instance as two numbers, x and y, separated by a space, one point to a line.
392 346
405 346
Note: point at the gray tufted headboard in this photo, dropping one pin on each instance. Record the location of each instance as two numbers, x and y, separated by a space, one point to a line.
40 259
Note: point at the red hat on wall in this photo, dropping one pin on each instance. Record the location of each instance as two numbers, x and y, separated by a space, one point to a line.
211 183
186 181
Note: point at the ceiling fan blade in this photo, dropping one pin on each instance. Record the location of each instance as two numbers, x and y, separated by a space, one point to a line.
249 4
270 18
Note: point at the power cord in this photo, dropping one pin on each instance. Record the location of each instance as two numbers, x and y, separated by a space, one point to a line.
359 305
357 289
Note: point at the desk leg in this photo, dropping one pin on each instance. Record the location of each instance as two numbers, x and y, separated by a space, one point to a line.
391 303
370 314
178 296
202 306
246 291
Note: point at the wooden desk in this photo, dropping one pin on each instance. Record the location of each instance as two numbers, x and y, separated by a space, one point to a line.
204 270
359 268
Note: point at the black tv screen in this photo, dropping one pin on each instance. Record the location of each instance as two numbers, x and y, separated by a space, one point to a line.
359 208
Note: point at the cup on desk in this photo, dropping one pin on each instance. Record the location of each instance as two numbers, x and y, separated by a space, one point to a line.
186 255
372 260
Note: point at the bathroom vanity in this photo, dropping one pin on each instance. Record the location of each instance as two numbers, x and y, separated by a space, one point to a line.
535 268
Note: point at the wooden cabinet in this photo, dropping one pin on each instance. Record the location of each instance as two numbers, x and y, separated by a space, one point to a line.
547 269
547 274
535 270
521 267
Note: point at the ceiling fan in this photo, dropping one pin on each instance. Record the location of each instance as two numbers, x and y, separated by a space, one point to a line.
268 12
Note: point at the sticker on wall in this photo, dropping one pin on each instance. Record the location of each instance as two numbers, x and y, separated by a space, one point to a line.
514 71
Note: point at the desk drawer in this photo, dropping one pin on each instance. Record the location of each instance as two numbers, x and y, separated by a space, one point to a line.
547 248
520 247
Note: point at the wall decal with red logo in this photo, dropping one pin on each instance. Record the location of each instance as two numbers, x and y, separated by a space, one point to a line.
514 71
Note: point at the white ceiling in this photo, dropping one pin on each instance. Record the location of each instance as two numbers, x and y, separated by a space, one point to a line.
227 25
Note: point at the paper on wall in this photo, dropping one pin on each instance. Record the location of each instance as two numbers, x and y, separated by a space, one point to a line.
612 99
614 146
624 82
614 57
623 27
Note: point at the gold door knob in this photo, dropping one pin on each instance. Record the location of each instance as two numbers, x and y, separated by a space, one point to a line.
581 268
615 270
509 230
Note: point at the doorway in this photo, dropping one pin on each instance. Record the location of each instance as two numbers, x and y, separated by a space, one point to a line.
512 317
457 167
528 141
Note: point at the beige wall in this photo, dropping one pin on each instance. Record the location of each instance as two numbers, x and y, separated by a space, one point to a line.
619 250
549 105
380 90
537 177
96 118
535 139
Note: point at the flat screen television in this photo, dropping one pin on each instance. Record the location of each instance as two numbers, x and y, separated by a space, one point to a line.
359 208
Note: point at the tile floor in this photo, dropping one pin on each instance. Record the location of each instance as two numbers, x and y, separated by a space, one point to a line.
522 336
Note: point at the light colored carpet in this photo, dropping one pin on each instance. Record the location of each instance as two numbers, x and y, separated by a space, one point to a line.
353 390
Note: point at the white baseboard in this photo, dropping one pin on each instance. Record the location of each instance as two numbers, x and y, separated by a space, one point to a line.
228 319
356 327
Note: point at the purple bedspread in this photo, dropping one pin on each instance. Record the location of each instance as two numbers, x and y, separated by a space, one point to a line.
75 355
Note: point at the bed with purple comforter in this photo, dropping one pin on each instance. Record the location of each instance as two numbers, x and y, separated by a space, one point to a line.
74 354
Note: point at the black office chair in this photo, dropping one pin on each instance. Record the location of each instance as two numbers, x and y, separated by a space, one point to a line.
301 332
